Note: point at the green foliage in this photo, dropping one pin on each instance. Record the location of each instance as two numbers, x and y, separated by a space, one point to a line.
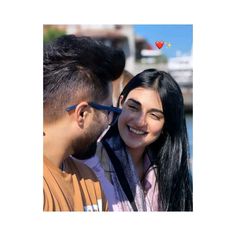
52 33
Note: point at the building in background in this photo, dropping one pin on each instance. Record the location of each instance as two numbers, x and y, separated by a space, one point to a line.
181 69
139 53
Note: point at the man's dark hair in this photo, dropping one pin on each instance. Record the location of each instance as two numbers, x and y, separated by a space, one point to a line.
77 68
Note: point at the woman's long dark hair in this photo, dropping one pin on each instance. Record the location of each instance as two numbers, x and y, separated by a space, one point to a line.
170 151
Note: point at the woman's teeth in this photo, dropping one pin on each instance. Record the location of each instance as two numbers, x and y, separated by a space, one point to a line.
139 132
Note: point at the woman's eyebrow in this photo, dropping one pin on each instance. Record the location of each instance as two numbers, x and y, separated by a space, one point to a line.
156 110
139 104
135 101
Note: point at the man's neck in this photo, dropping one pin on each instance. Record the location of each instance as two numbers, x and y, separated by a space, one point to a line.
55 147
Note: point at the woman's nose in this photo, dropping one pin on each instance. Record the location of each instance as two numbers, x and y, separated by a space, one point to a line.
140 120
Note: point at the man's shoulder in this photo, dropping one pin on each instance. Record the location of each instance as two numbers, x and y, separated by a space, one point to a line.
73 166
86 175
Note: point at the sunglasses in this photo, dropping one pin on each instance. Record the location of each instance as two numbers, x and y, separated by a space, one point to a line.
112 112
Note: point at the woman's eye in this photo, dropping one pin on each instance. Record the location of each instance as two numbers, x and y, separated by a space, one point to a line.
155 116
133 107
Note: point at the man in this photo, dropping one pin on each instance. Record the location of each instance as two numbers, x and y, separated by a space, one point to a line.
77 105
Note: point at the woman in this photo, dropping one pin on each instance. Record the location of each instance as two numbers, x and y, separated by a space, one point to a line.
145 154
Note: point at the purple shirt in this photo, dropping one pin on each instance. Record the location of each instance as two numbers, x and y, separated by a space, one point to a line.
107 187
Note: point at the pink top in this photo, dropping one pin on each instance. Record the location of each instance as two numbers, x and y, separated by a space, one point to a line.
149 186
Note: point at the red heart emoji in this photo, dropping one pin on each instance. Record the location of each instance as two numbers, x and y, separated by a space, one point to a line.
159 44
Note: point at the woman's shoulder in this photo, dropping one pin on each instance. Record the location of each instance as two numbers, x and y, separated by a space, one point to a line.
101 153
103 159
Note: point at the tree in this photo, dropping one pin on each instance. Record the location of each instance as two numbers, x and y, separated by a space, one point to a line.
52 32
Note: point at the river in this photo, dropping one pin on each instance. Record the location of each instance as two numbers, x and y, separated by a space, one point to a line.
189 123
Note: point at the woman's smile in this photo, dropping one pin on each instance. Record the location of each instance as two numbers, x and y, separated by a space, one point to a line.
137 131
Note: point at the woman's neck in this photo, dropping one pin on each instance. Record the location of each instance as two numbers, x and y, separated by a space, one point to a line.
137 158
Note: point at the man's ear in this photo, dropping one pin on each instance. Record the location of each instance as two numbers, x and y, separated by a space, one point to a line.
81 112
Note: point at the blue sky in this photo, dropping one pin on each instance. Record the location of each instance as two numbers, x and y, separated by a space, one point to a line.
180 37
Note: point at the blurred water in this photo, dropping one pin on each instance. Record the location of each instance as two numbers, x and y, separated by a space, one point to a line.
189 123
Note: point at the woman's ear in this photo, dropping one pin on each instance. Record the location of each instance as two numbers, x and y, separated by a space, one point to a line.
120 101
